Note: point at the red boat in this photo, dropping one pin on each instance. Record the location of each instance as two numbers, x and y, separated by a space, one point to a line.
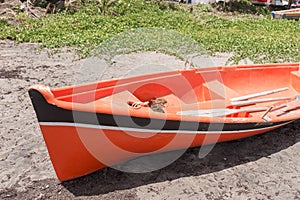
91 126
287 14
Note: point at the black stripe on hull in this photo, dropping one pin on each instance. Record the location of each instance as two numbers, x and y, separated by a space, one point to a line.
51 113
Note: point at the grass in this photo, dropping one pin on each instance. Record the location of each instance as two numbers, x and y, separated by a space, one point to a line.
257 37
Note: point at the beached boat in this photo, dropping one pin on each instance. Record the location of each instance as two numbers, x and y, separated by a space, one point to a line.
287 14
91 126
274 3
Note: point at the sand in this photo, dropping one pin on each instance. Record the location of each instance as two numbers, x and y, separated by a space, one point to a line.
261 167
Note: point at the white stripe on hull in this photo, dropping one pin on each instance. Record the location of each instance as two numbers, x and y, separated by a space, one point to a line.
69 124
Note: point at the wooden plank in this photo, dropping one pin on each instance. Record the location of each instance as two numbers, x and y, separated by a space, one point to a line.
218 112
250 102
288 106
259 94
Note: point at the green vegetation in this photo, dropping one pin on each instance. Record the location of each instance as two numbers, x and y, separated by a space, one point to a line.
257 37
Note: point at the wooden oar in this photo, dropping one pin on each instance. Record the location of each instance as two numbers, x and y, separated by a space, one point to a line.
218 112
250 96
249 102
222 104
292 104
289 106
282 109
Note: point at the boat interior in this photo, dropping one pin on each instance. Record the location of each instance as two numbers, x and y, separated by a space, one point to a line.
232 91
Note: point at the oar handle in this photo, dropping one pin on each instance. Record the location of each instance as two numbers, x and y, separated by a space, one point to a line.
250 96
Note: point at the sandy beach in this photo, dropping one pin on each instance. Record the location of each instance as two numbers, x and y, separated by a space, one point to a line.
261 167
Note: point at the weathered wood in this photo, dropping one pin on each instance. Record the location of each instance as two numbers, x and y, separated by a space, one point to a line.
218 112
289 106
264 93
250 102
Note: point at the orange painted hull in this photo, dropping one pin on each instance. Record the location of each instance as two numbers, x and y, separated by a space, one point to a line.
92 126
73 154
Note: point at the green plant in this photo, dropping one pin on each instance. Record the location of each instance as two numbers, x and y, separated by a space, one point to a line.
3 23
72 5
203 8
106 6
246 36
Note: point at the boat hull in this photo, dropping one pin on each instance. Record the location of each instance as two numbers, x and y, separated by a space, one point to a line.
287 14
87 149
89 127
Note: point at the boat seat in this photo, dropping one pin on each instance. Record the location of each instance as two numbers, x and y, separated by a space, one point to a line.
295 80
217 90
120 98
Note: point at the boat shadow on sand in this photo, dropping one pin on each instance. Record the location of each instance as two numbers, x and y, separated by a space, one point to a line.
224 155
